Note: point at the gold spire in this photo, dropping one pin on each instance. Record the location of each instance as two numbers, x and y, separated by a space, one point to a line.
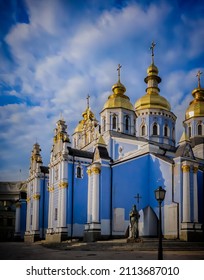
152 99
87 115
118 99
196 106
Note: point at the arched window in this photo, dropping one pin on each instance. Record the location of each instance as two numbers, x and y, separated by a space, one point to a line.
155 129
200 129
104 124
126 122
114 122
78 172
143 130
189 131
166 130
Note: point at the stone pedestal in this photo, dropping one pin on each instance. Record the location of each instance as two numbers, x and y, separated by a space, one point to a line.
92 232
191 232
58 236
31 237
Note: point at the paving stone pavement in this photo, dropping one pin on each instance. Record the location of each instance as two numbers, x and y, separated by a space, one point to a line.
117 249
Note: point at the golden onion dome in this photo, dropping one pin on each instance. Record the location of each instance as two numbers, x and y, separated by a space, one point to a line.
152 99
118 99
196 107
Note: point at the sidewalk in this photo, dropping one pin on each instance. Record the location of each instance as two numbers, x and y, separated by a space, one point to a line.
116 249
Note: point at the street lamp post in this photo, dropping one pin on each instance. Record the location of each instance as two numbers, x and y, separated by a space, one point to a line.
160 195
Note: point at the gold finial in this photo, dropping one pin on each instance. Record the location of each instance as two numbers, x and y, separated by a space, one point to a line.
118 69
88 99
152 49
198 75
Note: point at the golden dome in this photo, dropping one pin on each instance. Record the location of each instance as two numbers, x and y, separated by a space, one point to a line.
196 107
118 99
152 99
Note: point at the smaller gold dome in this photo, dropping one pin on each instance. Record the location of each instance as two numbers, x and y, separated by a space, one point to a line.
118 99
196 107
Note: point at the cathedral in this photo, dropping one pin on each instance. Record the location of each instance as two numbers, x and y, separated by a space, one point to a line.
94 178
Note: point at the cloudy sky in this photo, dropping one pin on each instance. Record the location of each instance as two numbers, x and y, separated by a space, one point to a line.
53 53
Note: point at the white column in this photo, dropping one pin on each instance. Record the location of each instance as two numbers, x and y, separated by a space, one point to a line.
95 198
195 194
89 204
51 198
59 206
63 205
50 214
36 212
186 193
18 218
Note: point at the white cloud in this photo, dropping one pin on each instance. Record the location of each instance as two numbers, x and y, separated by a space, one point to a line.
61 56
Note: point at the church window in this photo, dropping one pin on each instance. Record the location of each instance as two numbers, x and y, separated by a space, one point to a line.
114 122
166 130
143 130
189 131
199 129
55 214
104 124
78 172
126 122
155 129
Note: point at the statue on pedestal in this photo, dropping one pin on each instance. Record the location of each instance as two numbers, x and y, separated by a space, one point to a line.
134 218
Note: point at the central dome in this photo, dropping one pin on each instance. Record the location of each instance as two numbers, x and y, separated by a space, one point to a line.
152 99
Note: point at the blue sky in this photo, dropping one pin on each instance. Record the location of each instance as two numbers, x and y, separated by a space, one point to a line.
53 53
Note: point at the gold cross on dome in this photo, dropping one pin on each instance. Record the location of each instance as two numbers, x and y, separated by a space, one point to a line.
118 69
152 49
198 75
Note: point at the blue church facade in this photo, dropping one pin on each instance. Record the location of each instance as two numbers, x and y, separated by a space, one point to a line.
91 182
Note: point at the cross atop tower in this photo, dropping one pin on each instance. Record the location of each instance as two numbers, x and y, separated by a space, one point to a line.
88 99
198 75
118 69
152 49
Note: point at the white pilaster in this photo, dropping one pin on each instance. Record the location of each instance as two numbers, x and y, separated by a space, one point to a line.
89 207
186 192
36 212
95 199
63 191
195 194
